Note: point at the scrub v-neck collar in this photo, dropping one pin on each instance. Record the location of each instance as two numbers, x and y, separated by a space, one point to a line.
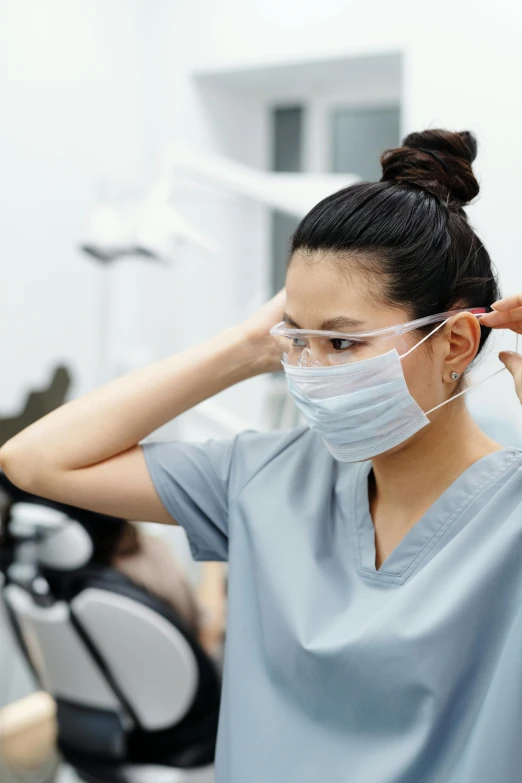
415 550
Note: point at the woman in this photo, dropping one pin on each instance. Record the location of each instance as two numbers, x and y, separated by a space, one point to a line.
375 584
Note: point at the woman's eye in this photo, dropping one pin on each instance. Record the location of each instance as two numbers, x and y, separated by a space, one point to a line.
338 344
297 343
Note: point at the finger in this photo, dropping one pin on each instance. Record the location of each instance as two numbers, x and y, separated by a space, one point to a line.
513 327
513 362
502 317
508 303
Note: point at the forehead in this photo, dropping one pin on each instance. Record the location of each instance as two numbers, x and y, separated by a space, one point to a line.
322 285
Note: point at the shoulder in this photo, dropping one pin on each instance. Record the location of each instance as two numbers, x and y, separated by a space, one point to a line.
267 445
511 457
500 477
289 455
263 446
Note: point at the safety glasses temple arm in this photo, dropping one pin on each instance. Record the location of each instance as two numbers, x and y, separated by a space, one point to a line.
433 319
388 331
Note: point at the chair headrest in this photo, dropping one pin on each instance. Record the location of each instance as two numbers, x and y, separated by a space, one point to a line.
73 555
62 543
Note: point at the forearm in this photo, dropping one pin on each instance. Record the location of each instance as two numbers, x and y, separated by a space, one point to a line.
116 417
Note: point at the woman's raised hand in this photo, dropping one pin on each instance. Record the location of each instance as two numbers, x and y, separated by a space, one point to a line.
257 332
508 315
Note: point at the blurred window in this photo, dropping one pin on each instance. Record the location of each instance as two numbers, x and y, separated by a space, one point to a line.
359 136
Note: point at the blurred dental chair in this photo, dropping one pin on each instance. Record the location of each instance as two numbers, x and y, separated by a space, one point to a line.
137 698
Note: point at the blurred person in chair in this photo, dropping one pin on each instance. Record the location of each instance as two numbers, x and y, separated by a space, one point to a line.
149 562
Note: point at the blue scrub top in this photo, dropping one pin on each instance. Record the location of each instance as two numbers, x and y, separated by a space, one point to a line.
336 672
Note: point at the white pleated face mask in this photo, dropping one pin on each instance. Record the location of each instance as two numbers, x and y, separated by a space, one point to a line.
360 409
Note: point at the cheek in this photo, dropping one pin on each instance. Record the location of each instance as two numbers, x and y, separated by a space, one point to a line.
423 378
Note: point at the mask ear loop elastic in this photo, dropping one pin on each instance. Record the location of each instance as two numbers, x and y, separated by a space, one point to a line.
471 387
465 391
425 338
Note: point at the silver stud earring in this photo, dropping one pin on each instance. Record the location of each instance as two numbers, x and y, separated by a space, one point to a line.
454 376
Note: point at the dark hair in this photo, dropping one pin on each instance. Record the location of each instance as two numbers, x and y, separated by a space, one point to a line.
410 228
117 539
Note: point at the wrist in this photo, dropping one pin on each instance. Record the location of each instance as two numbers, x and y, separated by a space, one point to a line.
244 356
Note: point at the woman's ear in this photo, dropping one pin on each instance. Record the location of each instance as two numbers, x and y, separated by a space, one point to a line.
462 340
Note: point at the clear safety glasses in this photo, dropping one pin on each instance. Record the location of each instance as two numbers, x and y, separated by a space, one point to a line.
316 348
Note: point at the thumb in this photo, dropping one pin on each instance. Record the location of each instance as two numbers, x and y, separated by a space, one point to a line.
513 362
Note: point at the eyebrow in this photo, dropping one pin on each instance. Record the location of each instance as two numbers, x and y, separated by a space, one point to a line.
330 325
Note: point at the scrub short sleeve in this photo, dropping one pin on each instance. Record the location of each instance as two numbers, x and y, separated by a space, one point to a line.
193 483
198 482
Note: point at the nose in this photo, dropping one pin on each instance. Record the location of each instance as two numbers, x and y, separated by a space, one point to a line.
306 359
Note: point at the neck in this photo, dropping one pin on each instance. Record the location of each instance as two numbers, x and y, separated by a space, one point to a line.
407 481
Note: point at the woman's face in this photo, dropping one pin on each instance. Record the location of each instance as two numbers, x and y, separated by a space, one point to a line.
322 294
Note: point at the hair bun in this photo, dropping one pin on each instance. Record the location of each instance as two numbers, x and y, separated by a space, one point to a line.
437 161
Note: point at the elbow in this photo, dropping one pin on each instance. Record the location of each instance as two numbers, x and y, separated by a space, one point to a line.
20 467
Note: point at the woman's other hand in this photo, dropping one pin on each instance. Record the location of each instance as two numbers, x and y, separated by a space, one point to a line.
508 315
257 327
513 362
